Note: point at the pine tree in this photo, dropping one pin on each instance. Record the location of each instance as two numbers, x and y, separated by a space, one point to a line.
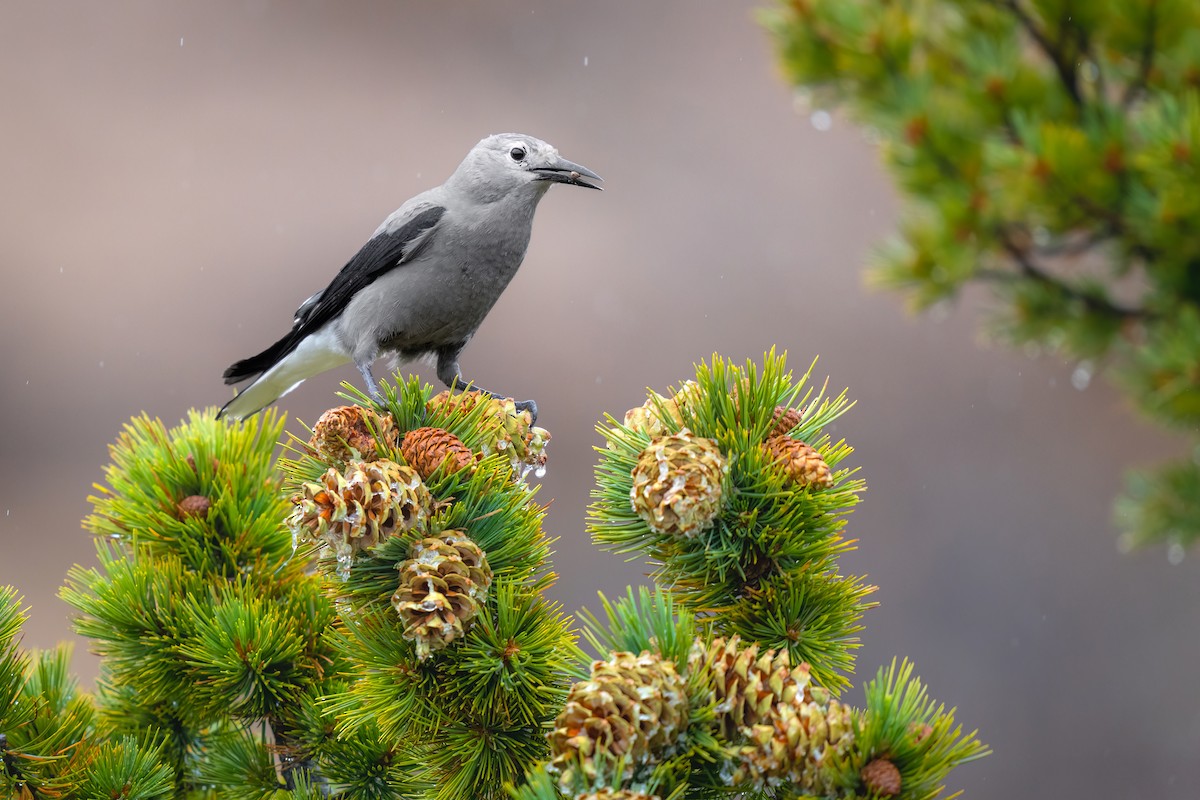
1049 149
366 617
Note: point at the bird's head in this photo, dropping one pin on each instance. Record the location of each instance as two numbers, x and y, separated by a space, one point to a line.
507 161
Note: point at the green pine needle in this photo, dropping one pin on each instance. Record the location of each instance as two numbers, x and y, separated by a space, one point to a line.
642 620
129 770
904 725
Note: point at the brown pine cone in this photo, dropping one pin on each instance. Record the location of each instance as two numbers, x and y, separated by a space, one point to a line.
426 449
802 463
783 419
196 505
344 433
882 777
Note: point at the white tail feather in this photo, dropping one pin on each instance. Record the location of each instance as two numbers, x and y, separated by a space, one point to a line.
315 354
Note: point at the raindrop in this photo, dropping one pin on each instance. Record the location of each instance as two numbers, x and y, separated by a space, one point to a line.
821 120
802 100
585 61
181 41
1081 378
540 472
1175 554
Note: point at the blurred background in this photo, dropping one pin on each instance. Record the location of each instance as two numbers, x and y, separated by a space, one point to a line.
177 177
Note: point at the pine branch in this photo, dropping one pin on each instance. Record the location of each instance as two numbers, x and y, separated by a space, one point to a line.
1031 270
1145 58
1067 73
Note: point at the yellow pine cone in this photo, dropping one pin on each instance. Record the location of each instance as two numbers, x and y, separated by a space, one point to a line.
501 427
632 706
748 683
677 483
881 777
346 512
803 464
344 434
426 449
443 585
781 726
648 418
795 742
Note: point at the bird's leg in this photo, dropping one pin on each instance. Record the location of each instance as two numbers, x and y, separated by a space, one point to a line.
364 369
449 373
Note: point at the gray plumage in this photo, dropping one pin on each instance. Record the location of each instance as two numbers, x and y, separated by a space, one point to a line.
424 281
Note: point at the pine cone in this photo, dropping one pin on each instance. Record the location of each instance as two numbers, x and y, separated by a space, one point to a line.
650 420
346 513
344 434
783 420
443 585
794 743
748 684
633 706
426 449
502 429
802 463
785 725
196 505
677 483
881 777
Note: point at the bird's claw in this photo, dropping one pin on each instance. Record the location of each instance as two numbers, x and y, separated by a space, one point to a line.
531 407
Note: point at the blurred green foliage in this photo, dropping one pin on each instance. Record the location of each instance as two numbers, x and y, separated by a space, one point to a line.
1051 150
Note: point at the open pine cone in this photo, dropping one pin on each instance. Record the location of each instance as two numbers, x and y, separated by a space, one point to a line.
443 586
502 428
632 706
677 483
660 415
344 434
347 512
781 726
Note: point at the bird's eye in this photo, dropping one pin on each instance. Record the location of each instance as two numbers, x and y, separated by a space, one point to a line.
517 154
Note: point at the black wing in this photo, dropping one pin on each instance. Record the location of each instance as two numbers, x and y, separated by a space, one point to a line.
383 253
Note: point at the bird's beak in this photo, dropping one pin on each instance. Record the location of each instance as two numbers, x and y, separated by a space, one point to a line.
563 171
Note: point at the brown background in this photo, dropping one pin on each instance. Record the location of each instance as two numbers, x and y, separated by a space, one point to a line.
177 177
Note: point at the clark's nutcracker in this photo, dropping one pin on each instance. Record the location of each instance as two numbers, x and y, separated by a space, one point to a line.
424 282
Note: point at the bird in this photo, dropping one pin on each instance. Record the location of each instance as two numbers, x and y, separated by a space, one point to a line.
423 283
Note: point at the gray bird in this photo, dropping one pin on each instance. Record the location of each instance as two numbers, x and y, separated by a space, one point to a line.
424 282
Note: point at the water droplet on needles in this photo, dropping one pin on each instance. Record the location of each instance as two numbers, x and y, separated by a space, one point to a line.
1081 378
540 472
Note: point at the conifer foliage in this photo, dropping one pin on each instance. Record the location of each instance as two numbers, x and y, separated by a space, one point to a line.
366 617
1050 150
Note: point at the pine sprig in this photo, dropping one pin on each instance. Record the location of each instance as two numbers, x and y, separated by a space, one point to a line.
814 616
771 537
128 769
154 470
904 725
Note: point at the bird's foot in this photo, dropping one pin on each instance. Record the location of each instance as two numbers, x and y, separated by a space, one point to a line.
531 407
